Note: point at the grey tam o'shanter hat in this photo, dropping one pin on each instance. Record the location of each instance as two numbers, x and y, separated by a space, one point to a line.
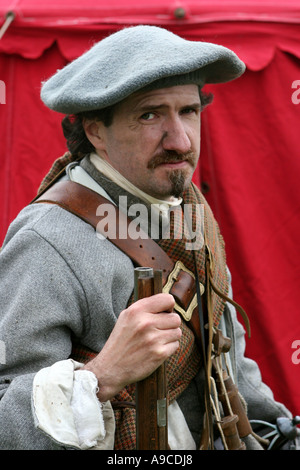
133 59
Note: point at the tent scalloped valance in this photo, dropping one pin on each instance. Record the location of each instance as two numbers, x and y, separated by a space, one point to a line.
255 46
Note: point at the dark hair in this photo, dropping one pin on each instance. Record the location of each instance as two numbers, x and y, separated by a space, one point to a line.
77 141
73 130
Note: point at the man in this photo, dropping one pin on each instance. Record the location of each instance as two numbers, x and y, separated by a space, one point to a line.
76 342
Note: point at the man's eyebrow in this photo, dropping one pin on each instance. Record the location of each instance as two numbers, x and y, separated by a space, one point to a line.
150 107
153 107
196 105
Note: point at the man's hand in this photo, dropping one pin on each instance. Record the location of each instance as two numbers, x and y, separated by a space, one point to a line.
145 335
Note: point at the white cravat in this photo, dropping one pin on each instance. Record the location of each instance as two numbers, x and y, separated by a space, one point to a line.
163 205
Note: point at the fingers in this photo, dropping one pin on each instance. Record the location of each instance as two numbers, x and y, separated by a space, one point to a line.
156 303
153 312
145 335
155 326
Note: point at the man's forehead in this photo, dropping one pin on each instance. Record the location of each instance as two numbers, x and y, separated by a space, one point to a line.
183 94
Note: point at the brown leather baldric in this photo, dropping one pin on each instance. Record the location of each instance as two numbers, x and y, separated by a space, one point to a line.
143 251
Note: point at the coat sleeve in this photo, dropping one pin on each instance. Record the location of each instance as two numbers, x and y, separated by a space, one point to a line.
42 305
258 396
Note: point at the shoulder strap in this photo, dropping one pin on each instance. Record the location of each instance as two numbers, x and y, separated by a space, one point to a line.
84 203
143 251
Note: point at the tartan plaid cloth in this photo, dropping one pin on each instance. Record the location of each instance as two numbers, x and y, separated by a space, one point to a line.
57 167
183 366
176 248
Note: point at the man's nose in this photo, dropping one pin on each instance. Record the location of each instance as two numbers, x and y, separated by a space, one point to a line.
175 136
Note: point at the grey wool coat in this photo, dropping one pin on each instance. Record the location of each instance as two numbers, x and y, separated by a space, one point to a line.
59 282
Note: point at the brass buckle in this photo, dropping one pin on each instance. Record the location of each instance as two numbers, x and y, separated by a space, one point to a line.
179 266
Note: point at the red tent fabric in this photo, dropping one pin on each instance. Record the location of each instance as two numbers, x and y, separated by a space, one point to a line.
249 167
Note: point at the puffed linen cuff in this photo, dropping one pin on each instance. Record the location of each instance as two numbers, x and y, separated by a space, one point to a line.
66 408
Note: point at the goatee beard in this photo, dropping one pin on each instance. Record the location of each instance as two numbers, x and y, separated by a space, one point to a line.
177 180
176 177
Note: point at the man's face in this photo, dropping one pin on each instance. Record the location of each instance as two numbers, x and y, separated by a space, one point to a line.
154 140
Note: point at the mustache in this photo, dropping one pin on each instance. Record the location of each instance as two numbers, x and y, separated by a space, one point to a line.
168 156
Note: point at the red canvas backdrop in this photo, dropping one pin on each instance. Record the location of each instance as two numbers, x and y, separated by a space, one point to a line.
249 166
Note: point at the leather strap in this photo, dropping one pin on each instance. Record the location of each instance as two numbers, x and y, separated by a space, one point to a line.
143 251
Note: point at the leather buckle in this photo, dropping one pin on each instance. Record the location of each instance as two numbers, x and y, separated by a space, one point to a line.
172 278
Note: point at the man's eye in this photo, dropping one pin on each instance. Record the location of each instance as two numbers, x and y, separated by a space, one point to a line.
188 111
148 116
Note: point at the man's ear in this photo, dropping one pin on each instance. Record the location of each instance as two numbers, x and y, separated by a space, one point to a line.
94 132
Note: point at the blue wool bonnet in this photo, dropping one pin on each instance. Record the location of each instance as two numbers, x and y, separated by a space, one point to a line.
136 58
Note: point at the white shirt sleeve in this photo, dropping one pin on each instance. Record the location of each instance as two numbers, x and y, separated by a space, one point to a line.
66 407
